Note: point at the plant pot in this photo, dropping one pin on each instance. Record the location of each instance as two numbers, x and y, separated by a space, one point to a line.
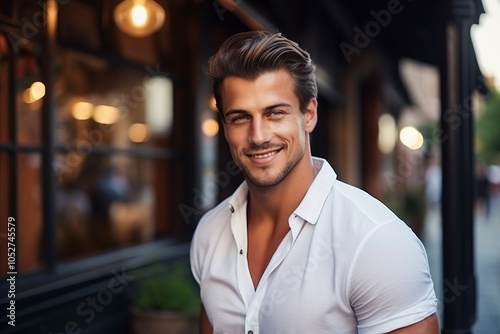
163 322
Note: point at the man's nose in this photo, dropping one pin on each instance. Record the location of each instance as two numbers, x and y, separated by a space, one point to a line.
259 132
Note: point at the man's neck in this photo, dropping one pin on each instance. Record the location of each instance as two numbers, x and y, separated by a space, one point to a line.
278 202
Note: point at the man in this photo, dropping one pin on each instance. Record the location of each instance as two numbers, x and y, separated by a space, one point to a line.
294 250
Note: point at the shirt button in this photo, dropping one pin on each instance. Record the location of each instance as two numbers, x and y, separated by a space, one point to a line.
241 251
250 332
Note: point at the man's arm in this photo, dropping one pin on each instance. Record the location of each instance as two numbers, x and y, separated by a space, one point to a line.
429 325
205 326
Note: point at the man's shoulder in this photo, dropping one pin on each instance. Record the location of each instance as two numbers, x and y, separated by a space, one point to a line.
213 226
347 203
356 201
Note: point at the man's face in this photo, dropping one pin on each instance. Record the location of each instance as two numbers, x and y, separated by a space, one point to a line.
264 127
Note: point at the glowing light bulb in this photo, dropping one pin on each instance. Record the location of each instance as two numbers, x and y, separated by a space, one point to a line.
210 127
387 133
139 133
82 110
411 138
106 114
139 18
37 90
34 93
139 15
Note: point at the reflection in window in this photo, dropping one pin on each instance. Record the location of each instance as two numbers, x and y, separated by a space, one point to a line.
29 215
112 126
21 169
108 203
113 162
29 101
159 104
99 102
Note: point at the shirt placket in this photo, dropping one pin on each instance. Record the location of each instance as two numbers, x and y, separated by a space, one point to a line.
252 318
239 229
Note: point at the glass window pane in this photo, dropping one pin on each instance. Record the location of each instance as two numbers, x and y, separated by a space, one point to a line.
107 197
5 204
104 104
29 100
105 203
30 212
4 96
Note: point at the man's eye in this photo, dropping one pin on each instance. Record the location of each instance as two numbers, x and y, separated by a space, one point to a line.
276 113
239 119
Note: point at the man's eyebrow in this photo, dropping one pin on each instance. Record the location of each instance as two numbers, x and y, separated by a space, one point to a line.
235 111
278 105
268 108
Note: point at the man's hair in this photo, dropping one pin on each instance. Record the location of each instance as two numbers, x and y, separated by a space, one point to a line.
250 54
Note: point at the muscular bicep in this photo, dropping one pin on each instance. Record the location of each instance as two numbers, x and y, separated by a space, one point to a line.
391 286
429 325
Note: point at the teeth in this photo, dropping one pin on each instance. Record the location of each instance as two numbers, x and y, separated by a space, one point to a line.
262 156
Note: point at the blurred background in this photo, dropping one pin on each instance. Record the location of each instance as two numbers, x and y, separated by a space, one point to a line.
110 149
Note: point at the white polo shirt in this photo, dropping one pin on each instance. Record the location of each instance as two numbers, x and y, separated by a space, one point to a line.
347 265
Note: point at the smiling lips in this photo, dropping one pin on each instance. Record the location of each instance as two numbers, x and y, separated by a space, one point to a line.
263 157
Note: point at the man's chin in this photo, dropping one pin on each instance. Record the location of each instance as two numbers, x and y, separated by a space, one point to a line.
263 182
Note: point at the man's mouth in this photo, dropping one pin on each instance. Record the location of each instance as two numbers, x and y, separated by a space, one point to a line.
264 155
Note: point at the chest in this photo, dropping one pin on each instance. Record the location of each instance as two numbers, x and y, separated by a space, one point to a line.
263 241
298 290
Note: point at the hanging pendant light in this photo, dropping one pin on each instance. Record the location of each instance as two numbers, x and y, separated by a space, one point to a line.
139 18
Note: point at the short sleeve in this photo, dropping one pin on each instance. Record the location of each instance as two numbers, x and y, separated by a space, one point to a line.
390 282
195 258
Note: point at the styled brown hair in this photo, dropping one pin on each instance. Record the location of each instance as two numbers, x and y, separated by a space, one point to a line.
250 54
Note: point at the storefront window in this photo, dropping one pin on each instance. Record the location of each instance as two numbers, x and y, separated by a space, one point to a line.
113 157
108 203
20 160
29 234
112 125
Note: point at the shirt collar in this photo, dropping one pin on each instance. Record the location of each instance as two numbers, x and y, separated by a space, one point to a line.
310 207
239 198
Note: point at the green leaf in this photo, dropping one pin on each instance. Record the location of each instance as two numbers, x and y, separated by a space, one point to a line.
164 288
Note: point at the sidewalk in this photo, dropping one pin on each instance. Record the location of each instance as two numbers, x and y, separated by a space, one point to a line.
487 265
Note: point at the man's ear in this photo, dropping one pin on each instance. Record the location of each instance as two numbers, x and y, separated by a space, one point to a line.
311 115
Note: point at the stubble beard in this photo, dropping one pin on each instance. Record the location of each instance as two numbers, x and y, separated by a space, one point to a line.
266 179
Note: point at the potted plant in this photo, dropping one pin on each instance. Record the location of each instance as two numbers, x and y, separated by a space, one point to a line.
165 300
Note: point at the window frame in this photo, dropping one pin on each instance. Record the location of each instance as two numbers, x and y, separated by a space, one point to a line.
52 267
